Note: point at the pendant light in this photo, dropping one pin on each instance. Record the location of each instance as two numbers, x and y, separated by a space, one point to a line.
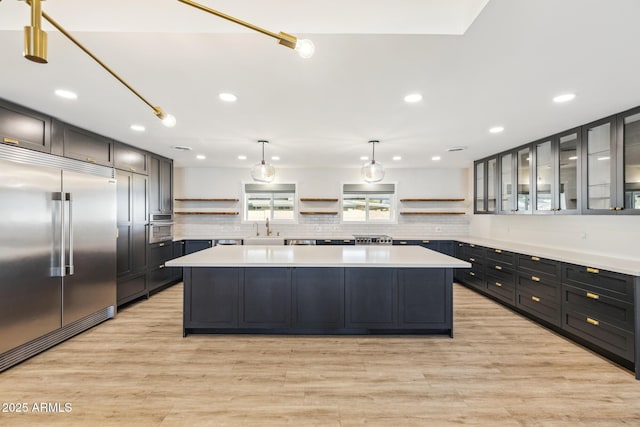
372 171
263 172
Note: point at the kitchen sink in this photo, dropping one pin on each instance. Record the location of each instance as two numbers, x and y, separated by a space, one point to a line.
266 240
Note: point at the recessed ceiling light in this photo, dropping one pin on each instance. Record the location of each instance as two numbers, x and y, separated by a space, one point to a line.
227 97
435 158
566 97
275 157
201 157
412 98
138 128
397 158
364 158
242 157
66 94
182 148
452 149
496 129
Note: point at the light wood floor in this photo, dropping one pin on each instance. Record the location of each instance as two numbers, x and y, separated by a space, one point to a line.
500 369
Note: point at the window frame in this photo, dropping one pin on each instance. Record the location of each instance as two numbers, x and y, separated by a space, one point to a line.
370 194
270 193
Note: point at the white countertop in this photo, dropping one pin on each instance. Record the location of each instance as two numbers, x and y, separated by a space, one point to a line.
628 266
318 256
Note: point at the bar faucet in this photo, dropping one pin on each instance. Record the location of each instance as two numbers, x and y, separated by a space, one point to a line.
267 225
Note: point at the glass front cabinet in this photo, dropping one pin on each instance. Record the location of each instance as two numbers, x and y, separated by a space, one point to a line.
557 174
485 185
515 181
612 164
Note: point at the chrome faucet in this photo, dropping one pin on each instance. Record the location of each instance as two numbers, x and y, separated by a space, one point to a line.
257 232
267 225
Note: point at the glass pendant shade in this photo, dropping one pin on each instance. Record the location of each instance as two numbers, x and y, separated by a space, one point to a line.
263 172
372 171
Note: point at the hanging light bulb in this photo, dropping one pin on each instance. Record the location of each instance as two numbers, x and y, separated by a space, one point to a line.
263 172
372 171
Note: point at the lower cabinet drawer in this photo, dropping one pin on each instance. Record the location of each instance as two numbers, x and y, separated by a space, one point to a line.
600 333
475 277
540 306
131 288
613 311
502 289
614 285
540 286
158 277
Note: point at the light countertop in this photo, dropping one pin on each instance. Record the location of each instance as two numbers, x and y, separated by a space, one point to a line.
318 256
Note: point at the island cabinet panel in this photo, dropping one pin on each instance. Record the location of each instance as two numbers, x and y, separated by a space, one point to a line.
422 292
266 298
191 246
318 298
213 297
371 298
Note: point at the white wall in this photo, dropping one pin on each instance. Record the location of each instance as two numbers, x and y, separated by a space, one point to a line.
323 183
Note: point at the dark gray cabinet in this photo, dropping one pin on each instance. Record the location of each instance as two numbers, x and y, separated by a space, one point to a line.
539 289
318 298
80 144
628 143
485 185
158 274
178 251
24 128
130 159
212 299
266 297
371 298
500 274
421 294
191 246
515 181
161 185
336 242
132 190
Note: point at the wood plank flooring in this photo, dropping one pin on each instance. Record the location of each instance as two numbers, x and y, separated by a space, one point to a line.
499 370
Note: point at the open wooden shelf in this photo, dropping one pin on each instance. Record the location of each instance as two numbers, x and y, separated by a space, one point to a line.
432 213
205 200
432 200
317 213
206 213
317 199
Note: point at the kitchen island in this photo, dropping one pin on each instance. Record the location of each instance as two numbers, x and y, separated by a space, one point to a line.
318 290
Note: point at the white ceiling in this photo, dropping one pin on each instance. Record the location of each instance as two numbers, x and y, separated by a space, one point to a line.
504 69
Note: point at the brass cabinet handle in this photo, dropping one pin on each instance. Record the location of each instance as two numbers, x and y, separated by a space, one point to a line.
132 169
535 298
161 244
471 245
11 140
472 259
347 241
403 243
498 284
498 251
592 295
471 273
161 266
618 208
535 258
91 160
327 241
593 270
535 278
612 208
498 267
425 241
594 322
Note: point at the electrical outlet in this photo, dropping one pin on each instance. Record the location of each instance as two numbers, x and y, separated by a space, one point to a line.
438 229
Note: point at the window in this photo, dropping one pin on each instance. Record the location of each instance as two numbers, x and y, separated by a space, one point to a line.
273 201
368 202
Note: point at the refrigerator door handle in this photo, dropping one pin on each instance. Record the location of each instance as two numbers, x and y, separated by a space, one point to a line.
69 267
58 253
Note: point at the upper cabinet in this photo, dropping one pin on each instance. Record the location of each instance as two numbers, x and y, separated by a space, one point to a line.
556 171
24 128
593 169
486 185
76 143
160 185
130 159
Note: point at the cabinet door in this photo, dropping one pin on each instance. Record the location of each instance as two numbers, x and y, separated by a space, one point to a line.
507 196
523 180
544 177
24 128
568 164
318 298
81 144
425 297
480 199
266 298
600 190
371 298
211 297
492 185
191 246
161 186
629 144
130 159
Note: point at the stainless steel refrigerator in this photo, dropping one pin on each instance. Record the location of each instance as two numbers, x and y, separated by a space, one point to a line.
57 250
